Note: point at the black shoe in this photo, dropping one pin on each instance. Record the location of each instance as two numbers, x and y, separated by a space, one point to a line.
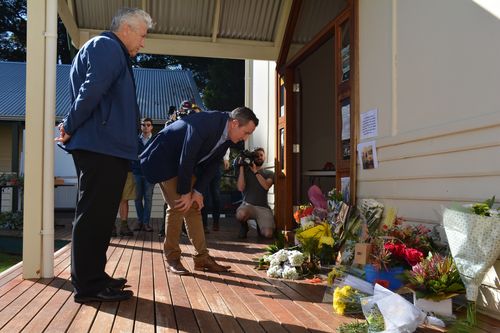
243 231
117 283
161 233
106 295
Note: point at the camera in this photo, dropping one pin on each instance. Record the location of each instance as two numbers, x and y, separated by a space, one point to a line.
245 158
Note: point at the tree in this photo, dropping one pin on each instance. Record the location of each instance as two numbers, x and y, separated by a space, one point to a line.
221 81
13 30
13 15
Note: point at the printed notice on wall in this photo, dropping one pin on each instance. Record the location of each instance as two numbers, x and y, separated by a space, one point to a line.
369 124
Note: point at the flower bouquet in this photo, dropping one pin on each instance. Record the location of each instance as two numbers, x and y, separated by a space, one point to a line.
347 300
285 264
473 234
434 281
388 261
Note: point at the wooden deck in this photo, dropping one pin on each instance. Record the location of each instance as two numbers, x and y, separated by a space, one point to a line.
244 300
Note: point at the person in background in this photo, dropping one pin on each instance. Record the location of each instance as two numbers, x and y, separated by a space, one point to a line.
100 131
144 189
127 194
193 143
213 195
254 182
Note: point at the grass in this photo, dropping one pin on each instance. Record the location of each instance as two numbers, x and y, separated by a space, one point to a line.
8 260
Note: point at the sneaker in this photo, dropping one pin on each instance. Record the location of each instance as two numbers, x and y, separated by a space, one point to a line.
148 228
243 231
210 265
124 229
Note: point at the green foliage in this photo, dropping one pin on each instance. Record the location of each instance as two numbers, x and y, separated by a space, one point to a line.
8 260
356 327
11 220
221 81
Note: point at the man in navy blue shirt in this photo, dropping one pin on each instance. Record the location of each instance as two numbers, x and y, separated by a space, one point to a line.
100 131
195 143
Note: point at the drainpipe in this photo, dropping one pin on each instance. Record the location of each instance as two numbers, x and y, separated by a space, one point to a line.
48 142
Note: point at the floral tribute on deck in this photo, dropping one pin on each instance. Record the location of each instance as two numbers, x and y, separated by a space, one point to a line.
375 258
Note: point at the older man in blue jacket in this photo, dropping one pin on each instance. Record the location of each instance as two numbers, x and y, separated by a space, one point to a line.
195 143
100 131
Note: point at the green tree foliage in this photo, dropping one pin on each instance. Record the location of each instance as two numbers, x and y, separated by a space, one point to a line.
13 15
221 81
13 30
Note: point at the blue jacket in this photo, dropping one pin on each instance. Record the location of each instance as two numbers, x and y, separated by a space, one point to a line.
136 165
177 149
104 116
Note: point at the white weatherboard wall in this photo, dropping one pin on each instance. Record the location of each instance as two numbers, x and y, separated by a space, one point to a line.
432 69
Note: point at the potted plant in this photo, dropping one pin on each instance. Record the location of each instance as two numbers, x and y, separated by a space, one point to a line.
435 280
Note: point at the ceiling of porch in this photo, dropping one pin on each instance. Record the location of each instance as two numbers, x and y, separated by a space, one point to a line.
240 29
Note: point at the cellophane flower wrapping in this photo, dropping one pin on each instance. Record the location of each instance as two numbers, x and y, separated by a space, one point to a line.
474 242
386 312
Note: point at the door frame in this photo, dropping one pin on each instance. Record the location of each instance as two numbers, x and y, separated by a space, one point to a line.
287 161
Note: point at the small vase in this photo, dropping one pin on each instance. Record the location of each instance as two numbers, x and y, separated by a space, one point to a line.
443 307
391 277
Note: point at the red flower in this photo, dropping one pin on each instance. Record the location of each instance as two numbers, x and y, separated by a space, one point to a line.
383 283
413 256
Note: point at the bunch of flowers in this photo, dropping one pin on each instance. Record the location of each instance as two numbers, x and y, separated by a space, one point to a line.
387 254
285 264
473 233
303 212
413 236
435 278
346 300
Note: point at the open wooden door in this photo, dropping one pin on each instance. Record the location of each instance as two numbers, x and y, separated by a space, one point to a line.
339 34
283 163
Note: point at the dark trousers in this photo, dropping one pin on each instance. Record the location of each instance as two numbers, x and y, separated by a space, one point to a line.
101 179
213 196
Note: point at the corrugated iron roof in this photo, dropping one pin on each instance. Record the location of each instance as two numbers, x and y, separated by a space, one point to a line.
157 89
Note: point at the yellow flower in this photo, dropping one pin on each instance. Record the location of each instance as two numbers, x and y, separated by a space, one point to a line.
325 240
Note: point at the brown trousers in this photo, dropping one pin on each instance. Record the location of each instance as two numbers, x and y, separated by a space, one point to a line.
173 225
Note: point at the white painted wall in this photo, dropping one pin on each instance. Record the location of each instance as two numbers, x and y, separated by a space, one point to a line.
431 68
261 98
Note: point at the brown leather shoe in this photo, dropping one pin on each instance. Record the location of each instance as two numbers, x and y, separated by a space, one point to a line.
176 267
210 265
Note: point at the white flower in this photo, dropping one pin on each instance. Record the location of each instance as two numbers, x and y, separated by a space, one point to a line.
274 262
281 255
290 273
296 258
275 271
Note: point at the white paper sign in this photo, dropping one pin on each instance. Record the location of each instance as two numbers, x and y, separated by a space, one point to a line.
367 152
369 124
346 122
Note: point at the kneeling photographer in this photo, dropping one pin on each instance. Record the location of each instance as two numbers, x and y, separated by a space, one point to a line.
254 182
